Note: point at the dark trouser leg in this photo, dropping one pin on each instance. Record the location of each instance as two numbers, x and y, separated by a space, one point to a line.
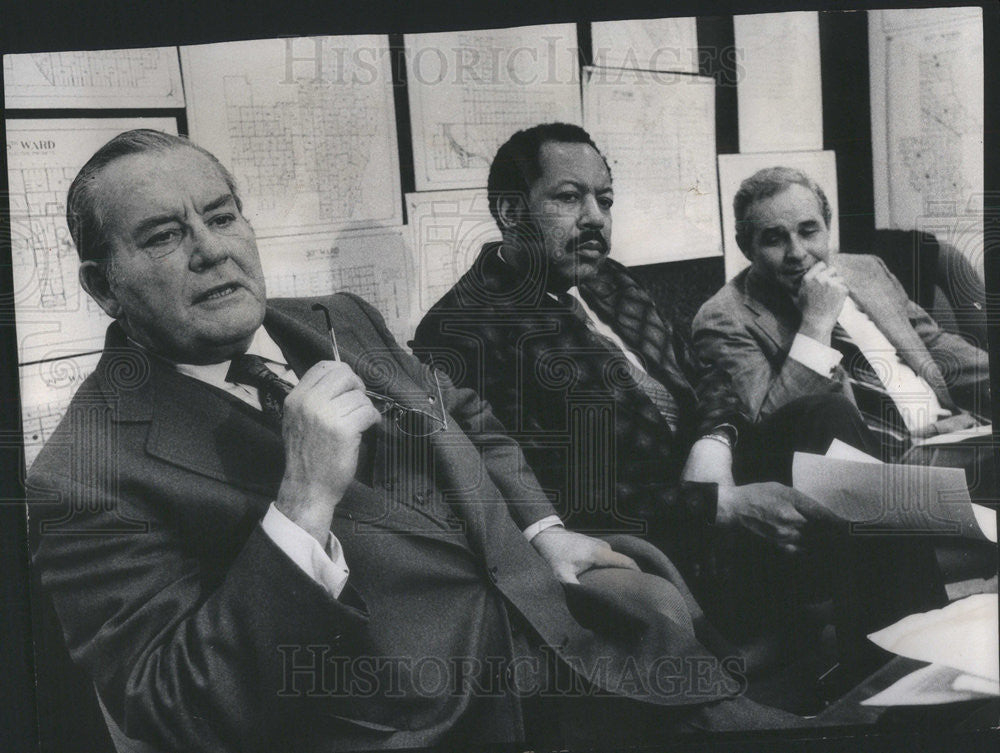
875 581
808 424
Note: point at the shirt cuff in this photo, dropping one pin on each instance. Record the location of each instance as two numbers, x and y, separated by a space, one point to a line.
814 355
536 528
328 568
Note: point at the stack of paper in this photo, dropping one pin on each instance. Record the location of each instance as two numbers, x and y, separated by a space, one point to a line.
960 641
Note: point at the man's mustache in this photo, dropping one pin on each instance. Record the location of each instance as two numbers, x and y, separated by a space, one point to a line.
588 236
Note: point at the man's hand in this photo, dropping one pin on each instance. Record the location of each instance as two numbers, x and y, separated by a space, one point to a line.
773 511
324 418
820 299
958 422
570 554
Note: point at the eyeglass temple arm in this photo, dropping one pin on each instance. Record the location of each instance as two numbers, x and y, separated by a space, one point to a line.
329 327
437 383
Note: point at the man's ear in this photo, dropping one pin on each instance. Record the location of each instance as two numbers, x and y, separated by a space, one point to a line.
510 211
94 279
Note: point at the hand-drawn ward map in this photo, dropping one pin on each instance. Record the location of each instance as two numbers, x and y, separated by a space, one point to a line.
93 78
53 316
470 90
927 122
306 125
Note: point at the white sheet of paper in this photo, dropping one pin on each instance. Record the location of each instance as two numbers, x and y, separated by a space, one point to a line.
469 92
887 497
971 683
956 436
986 518
657 132
987 521
779 94
307 126
93 79
923 687
54 316
447 232
651 44
962 635
842 451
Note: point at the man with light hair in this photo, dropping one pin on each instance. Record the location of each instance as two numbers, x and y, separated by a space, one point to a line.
804 319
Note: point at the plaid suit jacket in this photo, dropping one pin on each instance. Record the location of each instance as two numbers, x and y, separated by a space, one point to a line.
594 439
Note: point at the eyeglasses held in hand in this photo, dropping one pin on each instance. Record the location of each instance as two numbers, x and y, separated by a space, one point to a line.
412 422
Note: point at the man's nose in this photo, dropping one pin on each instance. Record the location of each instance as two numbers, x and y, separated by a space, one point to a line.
591 214
207 248
796 249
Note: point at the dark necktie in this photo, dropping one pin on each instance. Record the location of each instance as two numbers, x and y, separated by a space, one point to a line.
271 389
873 400
658 395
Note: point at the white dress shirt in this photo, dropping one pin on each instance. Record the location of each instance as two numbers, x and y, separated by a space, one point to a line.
913 396
325 565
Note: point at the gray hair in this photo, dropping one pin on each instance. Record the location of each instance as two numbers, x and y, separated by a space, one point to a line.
84 204
764 184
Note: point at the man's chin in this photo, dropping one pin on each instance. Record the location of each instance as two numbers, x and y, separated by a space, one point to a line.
791 284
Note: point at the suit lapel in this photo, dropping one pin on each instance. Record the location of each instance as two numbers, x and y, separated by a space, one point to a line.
359 346
631 313
775 315
202 429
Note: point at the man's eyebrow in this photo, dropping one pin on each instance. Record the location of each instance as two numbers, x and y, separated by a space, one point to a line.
150 222
581 185
219 202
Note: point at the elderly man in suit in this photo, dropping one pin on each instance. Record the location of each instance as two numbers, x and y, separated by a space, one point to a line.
604 398
805 320
257 540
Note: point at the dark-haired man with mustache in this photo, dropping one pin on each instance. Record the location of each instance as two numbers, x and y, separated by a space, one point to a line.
602 395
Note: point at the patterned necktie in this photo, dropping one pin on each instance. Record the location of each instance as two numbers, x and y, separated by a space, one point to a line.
658 395
873 400
271 389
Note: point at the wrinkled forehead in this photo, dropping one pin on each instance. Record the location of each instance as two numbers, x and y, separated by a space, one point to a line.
791 206
572 161
155 182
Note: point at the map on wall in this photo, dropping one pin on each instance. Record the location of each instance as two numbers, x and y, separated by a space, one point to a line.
447 231
53 315
470 91
659 141
306 125
927 123
93 78
374 264
46 389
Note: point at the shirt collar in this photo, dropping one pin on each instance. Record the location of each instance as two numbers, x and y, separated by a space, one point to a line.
215 373
553 296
